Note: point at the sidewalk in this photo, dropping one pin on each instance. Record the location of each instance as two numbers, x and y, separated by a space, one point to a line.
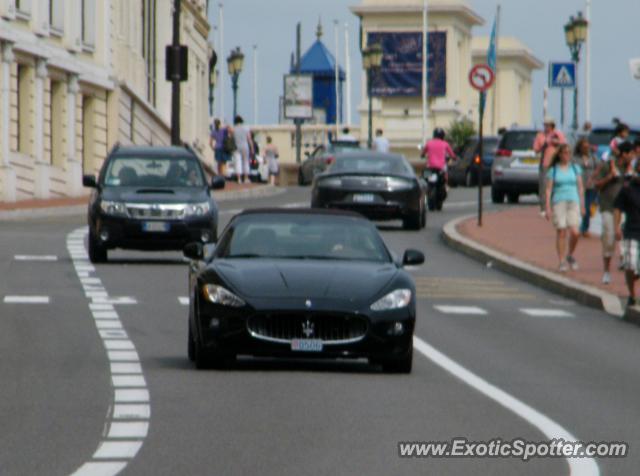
77 205
519 241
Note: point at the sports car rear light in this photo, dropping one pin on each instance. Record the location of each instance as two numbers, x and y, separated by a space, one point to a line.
503 153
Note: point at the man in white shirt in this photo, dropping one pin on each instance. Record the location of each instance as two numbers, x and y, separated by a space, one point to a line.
346 136
380 143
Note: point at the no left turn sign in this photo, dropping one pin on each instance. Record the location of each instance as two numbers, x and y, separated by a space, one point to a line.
481 77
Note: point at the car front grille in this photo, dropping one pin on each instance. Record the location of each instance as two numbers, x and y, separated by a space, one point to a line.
330 328
156 212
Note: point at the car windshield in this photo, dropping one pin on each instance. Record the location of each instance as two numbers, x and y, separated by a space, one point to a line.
386 165
518 140
154 172
292 236
604 136
340 147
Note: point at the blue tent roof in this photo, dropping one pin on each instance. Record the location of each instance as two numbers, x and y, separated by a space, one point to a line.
319 61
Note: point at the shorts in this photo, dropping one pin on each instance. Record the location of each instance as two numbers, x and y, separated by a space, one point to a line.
221 156
566 215
274 168
608 235
630 256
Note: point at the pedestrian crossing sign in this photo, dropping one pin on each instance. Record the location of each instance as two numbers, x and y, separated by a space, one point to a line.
562 75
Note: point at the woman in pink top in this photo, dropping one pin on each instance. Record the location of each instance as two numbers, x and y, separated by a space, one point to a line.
437 150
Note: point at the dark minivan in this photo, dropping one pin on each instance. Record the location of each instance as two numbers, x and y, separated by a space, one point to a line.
150 198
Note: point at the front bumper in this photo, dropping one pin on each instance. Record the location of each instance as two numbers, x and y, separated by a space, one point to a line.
520 180
230 332
128 233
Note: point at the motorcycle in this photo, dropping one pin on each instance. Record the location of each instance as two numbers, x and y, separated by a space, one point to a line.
436 188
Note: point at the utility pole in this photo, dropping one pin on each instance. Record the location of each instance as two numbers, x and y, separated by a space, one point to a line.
175 77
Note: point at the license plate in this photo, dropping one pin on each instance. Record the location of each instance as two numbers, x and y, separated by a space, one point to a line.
363 198
433 178
306 345
529 160
155 226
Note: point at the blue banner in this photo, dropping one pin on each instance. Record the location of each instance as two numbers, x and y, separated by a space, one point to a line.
492 59
401 70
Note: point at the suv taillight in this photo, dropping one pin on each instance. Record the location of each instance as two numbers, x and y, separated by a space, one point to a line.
329 160
503 153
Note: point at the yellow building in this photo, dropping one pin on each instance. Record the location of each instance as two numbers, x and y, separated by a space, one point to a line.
77 76
401 116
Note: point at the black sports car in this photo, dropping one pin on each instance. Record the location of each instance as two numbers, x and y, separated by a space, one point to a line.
150 198
301 283
379 186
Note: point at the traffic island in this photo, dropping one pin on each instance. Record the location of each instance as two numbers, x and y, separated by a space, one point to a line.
522 243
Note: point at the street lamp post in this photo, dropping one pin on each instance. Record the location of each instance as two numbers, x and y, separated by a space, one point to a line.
212 79
235 62
371 61
576 31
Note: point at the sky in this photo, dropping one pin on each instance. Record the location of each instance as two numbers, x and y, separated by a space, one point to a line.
271 24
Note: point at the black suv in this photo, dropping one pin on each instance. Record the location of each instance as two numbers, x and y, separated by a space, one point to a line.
150 198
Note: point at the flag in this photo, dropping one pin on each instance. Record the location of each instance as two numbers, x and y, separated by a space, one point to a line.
492 56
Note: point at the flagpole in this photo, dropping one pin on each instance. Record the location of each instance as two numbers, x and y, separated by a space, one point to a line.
587 66
347 71
494 106
221 56
425 70
337 76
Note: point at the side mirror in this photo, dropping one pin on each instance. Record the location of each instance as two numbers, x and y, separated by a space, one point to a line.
218 182
412 257
194 251
89 181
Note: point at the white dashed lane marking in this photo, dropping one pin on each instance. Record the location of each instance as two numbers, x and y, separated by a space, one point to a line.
26 300
468 310
552 313
35 258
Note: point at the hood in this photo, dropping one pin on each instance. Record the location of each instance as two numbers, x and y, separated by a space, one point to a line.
155 195
350 280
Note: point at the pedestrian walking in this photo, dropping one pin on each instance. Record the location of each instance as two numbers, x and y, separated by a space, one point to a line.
216 142
609 179
628 203
346 136
244 144
584 157
621 135
380 143
546 145
564 199
271 156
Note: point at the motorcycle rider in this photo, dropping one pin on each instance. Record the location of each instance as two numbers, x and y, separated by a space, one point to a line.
436 151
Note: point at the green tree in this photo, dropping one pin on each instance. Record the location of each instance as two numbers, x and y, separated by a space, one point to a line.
460 131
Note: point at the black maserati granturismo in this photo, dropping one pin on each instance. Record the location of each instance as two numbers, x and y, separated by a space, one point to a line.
301 283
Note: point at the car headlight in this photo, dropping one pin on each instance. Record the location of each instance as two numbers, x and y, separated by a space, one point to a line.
330 182
399 184
219 295
113 208
394 300
197 209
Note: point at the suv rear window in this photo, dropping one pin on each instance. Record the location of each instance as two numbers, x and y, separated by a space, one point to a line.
518 140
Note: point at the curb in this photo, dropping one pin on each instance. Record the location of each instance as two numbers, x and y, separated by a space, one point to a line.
75 210
583 293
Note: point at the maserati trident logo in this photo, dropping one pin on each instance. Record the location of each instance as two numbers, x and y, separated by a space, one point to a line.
307 303
308 328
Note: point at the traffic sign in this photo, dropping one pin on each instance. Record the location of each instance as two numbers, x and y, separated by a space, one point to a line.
634 65
481 77
562 75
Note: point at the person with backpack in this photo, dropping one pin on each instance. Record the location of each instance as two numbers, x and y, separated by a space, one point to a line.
564 198
217 137
585 158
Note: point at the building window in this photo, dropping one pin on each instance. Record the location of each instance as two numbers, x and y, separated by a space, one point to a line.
23 7
88 134
88 14
56 16
149 47
24 96
57 113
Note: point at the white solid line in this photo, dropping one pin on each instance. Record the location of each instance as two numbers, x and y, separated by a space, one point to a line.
128 381
119 345
128 429
102 468
123 356
113 334
184 300
35 258
126 368
117 449
133 411
461 310
551 429
108 324
123 395
26 299
546 313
